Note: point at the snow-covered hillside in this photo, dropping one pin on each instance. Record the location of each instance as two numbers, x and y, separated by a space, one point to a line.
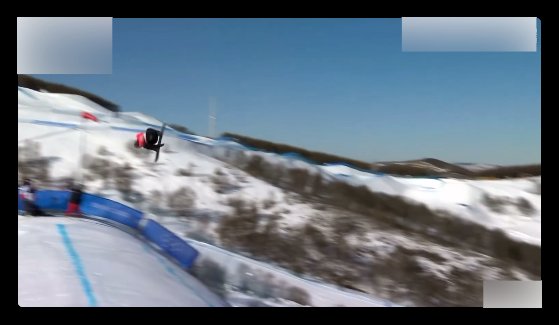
204 184
460 197
464 198
477 167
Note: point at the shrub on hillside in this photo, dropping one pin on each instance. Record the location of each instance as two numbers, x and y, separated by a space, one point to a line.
30 163
243 275
211 274
298 295
238 204
184 172
182 201
524 206
298 179
496 204
261 284
123 176
314 236
254 165
268 203
155 199
246 229
222 184
188 171
97 168
102 151
344 226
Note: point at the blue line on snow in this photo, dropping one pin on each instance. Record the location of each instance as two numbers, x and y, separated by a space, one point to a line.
86 286
119 128
54 123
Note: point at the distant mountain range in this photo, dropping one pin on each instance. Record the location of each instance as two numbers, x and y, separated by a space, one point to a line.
436 167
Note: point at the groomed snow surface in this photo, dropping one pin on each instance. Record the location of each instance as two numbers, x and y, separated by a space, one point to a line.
71 262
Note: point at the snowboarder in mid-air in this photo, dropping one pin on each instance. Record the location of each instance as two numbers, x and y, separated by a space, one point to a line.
150 140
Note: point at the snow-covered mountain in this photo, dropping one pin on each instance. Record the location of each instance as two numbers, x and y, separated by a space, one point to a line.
198 176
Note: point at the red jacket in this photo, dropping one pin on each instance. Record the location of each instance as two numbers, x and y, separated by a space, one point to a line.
140 139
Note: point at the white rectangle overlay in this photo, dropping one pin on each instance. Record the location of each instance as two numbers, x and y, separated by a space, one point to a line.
64 45
469 34
512 294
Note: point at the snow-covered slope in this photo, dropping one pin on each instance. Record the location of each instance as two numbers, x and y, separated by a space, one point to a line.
463 198
477 167
78 263
31 98
53 122
64 142
319 294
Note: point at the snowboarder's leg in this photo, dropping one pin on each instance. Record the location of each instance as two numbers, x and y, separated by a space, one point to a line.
72 209
35 210
27 208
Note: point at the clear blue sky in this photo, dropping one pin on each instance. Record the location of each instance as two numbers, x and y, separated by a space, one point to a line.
341 86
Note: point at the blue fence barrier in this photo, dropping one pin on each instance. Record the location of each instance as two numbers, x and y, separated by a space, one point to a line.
98 206
48 200
170 243
52 199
